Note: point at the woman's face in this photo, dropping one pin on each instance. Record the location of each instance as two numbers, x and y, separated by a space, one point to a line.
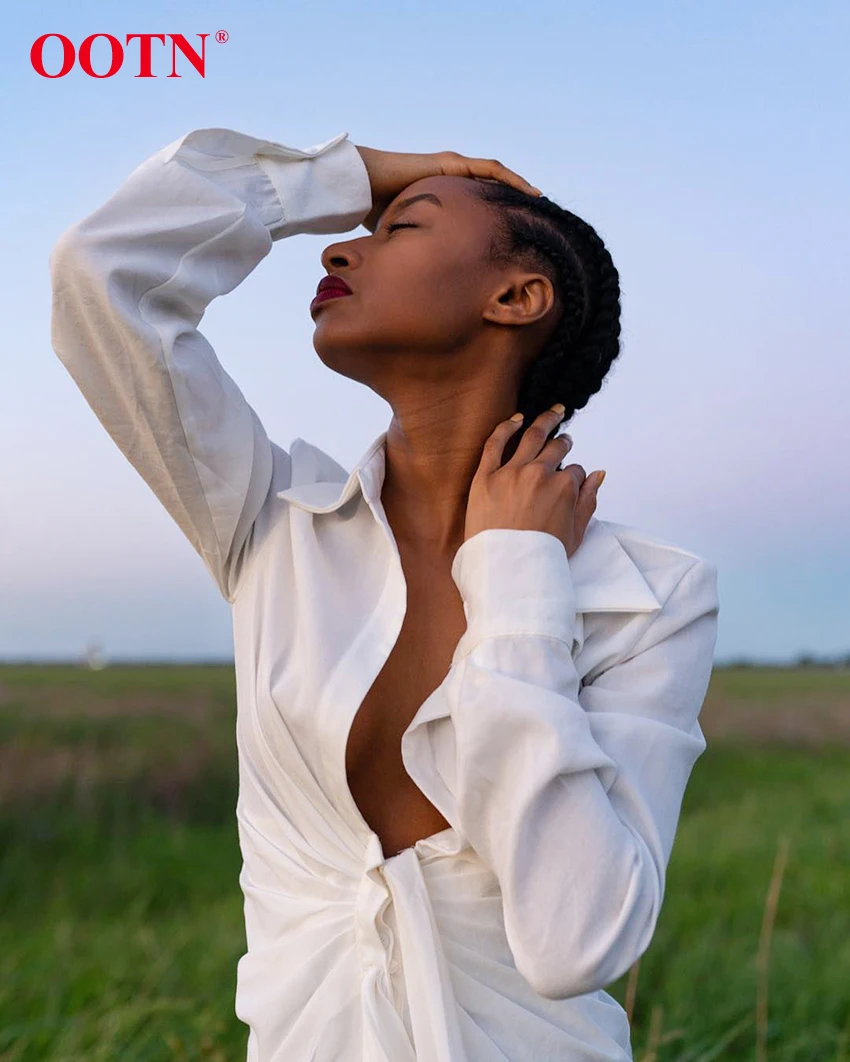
420 283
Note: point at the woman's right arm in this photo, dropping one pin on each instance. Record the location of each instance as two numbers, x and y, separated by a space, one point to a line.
131 283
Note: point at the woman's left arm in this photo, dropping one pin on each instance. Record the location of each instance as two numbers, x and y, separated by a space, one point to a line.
571 793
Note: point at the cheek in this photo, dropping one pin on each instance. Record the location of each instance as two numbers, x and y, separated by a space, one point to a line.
425 297
407 298
447 283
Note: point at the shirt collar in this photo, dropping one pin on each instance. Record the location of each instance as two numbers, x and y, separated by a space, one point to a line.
333 489
605 578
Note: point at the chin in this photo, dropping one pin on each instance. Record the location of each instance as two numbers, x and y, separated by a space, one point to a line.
341 356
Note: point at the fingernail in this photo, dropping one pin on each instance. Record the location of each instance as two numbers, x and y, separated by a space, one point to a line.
559 407
516 418
599 480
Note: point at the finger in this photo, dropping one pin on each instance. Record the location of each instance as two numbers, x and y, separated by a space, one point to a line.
491 455
537 434
493 168
586 501
554 452
579 478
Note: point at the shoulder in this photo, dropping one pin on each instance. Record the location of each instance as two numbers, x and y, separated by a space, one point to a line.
663 564
650 546
684 586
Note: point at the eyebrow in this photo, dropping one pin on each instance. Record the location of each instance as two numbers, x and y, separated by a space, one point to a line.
402 204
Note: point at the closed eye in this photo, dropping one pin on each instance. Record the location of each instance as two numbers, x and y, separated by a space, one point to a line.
401 225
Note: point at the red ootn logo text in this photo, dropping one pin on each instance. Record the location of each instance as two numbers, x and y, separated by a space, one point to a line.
70 55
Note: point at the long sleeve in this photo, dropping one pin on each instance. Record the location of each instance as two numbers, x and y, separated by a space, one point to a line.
131 282
571 793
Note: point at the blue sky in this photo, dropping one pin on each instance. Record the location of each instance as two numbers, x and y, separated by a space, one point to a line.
707 143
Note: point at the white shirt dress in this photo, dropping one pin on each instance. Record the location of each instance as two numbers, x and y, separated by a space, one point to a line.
558 745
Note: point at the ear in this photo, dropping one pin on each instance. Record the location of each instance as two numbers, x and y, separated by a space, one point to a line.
523 299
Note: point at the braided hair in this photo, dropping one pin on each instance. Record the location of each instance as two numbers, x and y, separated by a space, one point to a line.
577 356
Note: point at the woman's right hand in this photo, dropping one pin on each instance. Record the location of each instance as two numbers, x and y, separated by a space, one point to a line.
530 492
390 172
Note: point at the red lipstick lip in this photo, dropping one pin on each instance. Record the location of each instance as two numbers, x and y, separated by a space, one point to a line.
330 287
333 281
326 296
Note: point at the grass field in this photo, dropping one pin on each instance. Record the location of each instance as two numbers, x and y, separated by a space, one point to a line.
122 918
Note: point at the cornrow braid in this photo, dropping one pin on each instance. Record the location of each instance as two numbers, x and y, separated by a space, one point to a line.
575 360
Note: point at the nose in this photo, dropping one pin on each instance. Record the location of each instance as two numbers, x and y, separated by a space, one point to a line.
340 256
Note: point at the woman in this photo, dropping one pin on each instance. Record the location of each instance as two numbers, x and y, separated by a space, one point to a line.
467 709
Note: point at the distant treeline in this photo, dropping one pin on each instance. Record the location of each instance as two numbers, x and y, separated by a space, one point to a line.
801 660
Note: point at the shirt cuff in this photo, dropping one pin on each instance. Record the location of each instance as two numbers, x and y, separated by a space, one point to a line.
514 582
320 189
331 194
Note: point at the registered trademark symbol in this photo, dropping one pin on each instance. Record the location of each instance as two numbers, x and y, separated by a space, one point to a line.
222 36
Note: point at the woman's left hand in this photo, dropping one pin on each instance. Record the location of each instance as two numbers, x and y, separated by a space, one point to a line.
530 491
390 172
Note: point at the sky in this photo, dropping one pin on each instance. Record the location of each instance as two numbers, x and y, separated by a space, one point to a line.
706 143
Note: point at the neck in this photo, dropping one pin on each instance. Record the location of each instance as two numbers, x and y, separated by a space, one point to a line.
432 454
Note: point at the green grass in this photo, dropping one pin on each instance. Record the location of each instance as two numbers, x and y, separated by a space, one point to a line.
122 916
700 968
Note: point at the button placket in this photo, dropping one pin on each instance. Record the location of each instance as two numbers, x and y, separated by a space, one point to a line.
372 897
373 918
386 934
388 941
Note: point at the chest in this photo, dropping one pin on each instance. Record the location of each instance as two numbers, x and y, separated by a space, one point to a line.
389 800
